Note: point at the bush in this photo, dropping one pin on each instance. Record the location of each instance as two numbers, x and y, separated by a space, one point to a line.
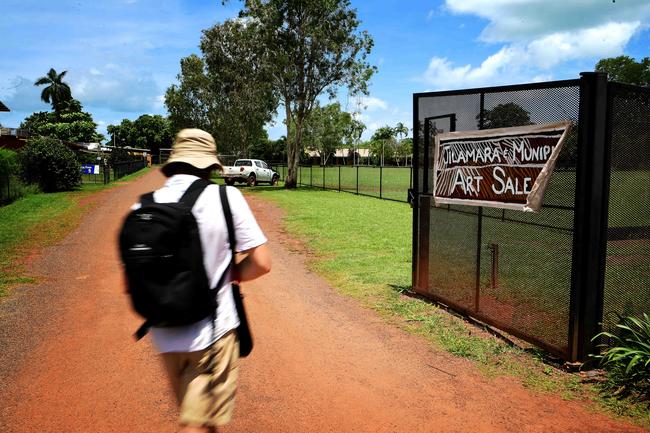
11 187
50 164
626 357
8 163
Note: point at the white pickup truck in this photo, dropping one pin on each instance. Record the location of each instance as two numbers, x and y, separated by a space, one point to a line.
250 171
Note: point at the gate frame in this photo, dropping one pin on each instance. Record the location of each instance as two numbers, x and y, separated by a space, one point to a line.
590 209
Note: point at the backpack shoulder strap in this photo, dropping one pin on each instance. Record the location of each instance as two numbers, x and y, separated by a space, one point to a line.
194 191
228 215
147 198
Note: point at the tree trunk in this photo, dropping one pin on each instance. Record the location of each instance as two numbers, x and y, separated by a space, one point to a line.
294 145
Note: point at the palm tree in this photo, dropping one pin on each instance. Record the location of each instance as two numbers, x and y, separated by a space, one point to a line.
56 92
401 130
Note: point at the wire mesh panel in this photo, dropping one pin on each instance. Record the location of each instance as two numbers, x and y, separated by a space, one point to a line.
331 177
304 175
452 275
317 176
509 268
369 181
526 277
627 270
10 188
395 182
349 178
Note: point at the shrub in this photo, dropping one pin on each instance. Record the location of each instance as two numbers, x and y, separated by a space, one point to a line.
8 163
50 164
626 357
11 188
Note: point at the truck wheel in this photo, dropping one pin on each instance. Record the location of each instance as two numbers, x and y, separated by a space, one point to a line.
252 180
230 182
275 181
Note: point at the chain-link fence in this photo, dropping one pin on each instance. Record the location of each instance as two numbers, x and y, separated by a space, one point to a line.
11 188
105 173
627 270
384 182
122 169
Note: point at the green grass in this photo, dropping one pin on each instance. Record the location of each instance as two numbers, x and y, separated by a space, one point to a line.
534 261
36 221
362 246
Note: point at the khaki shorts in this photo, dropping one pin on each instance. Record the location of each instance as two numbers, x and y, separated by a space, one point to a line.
205 382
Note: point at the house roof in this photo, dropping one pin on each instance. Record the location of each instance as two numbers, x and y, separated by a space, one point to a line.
3 107
341 153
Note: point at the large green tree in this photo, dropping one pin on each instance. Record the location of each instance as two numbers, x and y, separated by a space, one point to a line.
383 143
227 91
271 151
56 92
630 118
308 47
191 103
503 115
626 70
326 129
145 132
69 123
352 136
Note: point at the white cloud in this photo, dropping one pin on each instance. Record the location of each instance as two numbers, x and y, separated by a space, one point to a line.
520 20
20 95
118 89
372 104
540 35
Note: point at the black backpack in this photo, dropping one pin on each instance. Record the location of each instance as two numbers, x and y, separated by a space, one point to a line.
161 251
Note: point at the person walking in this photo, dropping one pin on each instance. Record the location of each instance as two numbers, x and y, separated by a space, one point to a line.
201 359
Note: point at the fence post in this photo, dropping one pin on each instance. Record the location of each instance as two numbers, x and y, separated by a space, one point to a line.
339 178
590 217
422 257
479 242
357 180
323 177
381 179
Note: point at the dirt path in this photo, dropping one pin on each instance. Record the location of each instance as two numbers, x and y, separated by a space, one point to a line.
321 363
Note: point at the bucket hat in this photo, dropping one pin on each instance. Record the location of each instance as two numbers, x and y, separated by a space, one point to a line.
195 147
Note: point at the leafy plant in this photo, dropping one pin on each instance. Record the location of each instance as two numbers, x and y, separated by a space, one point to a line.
8 163
50 164
11 188
626 357
68 123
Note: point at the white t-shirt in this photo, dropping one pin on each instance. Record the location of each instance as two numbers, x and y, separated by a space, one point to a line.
216 257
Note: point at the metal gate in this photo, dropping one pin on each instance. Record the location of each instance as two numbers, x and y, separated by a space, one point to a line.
537 276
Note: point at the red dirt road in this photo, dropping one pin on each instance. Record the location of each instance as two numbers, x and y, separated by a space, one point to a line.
321 363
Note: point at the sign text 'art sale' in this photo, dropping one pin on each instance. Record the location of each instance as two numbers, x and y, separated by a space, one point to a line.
505 168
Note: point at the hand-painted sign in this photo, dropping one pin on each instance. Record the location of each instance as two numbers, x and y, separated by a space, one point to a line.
504 168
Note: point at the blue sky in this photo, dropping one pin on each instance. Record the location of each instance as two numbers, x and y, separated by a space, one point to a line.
121 55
